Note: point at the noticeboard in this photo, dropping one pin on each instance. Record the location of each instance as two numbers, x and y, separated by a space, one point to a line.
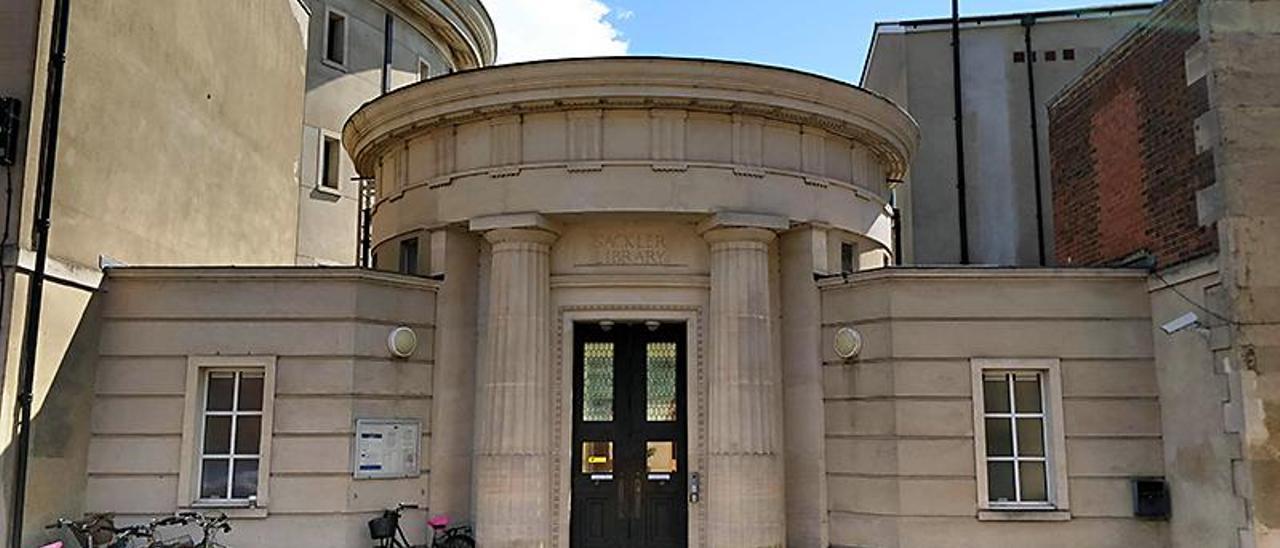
387 448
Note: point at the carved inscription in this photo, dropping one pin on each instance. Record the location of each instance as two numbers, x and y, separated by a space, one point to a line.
630 248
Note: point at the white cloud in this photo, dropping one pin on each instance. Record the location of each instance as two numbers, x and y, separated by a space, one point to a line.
547 29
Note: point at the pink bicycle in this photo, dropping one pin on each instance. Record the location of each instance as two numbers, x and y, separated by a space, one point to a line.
386 532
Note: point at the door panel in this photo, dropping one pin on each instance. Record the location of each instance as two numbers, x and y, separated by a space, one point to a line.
629 450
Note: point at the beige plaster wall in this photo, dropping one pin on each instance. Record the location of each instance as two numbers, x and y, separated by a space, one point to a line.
327 330
166 156
899 417
1200 408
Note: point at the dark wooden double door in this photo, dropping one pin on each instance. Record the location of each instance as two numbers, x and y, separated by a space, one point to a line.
629 447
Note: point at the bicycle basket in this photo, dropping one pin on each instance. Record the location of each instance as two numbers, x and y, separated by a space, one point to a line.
383 527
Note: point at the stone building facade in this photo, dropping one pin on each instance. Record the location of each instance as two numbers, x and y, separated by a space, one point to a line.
648 301
1163 155
640 278
215 118
358 50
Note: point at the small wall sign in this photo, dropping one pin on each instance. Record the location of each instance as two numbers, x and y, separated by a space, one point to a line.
387 448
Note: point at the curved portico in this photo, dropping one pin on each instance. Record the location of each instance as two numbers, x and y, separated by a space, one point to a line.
630 191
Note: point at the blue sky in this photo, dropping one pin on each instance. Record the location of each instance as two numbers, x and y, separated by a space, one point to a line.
828 37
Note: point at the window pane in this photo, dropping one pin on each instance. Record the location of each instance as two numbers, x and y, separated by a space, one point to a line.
660 363
999 438
1000 481
660 456
597 382
1030 438
250 392
1032 475
248 435
217 435
213 479
1026 393
244 483
221 390
995 394
597 457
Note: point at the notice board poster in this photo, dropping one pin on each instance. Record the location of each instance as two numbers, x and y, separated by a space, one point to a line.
387 448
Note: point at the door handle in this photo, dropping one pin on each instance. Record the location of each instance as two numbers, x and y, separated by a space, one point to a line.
639 484
622 496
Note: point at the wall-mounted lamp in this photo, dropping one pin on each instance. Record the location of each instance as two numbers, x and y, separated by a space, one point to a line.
848 342
402 341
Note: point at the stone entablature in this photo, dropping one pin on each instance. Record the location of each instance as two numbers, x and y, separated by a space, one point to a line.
632 135
463 25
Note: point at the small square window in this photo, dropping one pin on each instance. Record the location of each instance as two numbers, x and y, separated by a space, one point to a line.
409 256
848 257
1068 54
1051 55
330 162
335 38
1019 57
424 70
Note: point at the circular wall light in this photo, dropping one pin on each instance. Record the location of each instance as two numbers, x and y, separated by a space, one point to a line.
848 342
402 342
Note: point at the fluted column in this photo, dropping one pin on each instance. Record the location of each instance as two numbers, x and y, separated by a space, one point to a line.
745 469
513 415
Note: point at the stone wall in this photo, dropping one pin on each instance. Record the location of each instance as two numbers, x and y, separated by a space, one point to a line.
326 330
900 416
1126 159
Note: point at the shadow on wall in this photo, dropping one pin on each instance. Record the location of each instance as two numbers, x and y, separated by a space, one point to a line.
60 430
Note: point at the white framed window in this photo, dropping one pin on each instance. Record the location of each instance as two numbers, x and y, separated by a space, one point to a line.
1019 446
335 38
226 433
329 172
424 69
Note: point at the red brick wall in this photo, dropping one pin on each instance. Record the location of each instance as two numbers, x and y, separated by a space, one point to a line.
1122 146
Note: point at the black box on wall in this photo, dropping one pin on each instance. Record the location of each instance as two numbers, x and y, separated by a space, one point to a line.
1151 498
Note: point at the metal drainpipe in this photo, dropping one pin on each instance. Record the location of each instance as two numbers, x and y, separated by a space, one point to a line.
388 28
35 292
962 201
1027 23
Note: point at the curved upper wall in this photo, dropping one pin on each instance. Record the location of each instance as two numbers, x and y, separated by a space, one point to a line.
463 25
651 135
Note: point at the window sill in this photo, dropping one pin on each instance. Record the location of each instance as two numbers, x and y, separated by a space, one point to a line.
327 191
1004 514
333 64
235 510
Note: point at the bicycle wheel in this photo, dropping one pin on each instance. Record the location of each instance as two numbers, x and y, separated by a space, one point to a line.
462 540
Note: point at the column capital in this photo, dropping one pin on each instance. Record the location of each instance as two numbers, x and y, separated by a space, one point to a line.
738 235
536 221
521 236
735 219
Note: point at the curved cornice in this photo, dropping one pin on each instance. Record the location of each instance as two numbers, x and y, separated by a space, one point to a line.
463 27
635 82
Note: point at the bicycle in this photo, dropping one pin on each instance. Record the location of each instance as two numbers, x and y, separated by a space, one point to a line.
210 525
91 531
387 533
99 531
